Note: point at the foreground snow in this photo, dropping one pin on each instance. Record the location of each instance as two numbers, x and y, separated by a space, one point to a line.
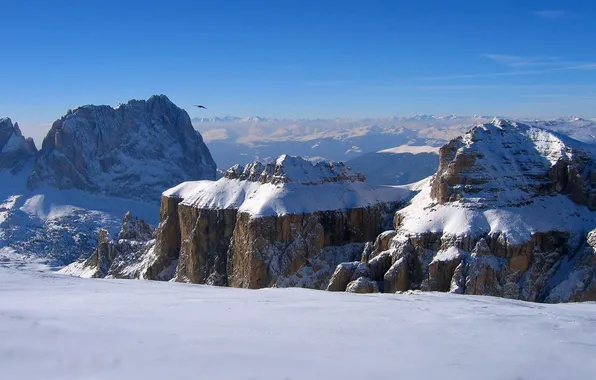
56 327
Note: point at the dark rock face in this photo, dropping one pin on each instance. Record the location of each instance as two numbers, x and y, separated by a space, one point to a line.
15 150
135 150
205 237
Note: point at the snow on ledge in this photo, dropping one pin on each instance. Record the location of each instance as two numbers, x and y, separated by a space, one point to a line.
306 189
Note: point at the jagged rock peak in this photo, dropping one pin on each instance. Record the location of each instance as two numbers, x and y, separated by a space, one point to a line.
133 150
294 169
135 229
121 257
509 163
15 149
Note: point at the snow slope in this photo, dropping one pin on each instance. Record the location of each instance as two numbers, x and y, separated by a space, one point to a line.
575 127
56 327
516 223
54 227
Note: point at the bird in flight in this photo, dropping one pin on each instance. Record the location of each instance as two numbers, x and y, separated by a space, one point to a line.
200 106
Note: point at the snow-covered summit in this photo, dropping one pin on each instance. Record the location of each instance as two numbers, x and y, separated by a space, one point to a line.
508 163
288 185
134 150
15 149
294 169
506 214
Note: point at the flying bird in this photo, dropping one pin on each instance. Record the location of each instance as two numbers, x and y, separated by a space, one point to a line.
200 106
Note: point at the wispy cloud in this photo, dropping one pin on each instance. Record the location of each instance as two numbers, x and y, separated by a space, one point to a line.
518 61
535 65
555 14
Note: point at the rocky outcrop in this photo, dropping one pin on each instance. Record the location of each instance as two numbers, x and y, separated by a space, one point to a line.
15 150
362 285
134 150
505 215
126 256
475 167
267 250
286 223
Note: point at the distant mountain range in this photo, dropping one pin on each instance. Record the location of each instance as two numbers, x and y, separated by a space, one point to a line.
235 140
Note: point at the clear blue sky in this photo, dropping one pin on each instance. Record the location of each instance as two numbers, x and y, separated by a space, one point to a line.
300 58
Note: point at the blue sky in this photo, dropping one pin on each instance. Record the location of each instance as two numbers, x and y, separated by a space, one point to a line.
300 58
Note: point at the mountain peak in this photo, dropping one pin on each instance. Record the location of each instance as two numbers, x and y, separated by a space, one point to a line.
133 150
509 163
15 149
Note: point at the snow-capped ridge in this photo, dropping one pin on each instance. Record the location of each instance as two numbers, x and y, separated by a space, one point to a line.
288 185
293 169
508 163
506 214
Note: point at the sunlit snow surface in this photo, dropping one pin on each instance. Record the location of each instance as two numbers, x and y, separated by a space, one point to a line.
52 227
58 327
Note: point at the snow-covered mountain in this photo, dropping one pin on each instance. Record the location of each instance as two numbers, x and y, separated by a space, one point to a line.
575 127
135 150
96 163
508 213
285 223
235 140
243 140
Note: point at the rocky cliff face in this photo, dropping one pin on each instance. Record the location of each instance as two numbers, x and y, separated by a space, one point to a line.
15 150
287 223
135 150
508 164
506 214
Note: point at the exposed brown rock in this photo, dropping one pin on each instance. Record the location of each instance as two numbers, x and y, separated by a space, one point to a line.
267 248
342 276
205 237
